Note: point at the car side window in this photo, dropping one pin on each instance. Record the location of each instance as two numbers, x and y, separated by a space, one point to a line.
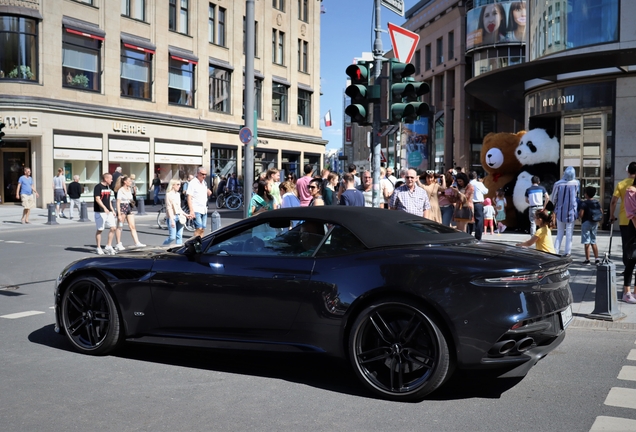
340 241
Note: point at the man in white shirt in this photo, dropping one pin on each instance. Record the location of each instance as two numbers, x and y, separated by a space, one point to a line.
386 186
198 194
478 202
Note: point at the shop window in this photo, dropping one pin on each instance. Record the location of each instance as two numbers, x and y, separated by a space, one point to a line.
134 9
264 161
181 82
220 85
178 16
18 55
278 47
258 97
81 61
312 159
304 108
255 37
303 10
136 72
216 24
279 102
222 161
303 52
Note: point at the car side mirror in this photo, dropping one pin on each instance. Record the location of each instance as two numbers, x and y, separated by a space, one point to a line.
193 246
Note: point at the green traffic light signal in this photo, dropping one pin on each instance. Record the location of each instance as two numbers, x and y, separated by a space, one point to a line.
404 94
361 93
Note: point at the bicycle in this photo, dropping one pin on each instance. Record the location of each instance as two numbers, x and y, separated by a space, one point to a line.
232 200
163 223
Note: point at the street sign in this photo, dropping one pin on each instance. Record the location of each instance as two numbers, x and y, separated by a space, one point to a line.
245 135
382 157
396 6
404 42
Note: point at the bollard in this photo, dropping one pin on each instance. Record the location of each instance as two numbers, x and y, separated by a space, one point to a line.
141 207
216 221
52 217
605 301
84 212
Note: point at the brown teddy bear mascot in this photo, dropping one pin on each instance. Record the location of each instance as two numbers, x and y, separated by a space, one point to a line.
499 161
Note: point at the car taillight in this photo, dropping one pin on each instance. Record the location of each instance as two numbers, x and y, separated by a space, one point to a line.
526 278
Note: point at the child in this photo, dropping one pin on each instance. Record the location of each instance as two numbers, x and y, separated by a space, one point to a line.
500 206
591 214
489 216
542 237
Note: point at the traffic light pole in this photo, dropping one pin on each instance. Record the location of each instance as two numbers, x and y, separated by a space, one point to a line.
377 111
248 152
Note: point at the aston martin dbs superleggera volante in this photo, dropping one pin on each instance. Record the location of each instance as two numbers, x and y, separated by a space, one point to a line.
404 299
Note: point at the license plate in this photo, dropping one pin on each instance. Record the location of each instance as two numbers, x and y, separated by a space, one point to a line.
566 317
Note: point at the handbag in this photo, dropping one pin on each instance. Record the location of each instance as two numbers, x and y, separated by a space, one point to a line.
464 213
182 219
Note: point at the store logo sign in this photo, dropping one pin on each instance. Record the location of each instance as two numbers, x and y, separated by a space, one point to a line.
14 122
561 100
129 128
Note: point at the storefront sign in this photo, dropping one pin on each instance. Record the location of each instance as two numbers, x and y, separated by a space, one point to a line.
128 157
129 128
77 142
179 149
584 96
14 122
86 155
128 145
176 159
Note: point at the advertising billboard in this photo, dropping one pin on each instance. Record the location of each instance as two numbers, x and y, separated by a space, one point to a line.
502 22
415 136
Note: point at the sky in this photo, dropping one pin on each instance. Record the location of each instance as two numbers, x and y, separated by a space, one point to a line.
346 32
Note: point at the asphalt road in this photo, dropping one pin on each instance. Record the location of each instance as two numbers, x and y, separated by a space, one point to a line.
46 386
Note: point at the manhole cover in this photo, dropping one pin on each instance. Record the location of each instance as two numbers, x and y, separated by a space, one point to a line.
9 288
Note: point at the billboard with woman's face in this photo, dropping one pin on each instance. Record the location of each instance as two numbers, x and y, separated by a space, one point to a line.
502 22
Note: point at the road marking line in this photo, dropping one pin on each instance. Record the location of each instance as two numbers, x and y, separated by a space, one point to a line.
605 423
13 241
21 314
632 355
628 373
621 397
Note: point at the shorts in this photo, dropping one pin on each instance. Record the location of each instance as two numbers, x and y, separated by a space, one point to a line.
124 209
28 201
200 220
102 222
488 223
59 196
588 232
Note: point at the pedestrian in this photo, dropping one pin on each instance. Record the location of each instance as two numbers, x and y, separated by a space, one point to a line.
630 243
262 200
302 183
156 188
564 196
542 236
291 176
619 194
329 194
500 207
104 215
59 192
352 169
464 199
390 177
198 194
537 198
489 216
434 188
288 195
273 176
366 187
75 193
315 189
411 198
116 175
133 187
232 183
590 214
447 199
24 193
386 188
478 203
124 210
351 196
175 216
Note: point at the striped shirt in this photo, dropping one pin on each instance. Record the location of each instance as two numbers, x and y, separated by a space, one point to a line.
564 197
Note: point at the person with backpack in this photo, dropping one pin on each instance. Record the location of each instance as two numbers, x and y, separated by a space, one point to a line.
590 214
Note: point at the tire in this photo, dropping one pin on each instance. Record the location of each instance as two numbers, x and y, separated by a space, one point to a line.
398 351
220 201
234 201
161 219
90 318
189 225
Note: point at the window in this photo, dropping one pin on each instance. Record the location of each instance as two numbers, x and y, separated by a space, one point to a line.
181 82
427 60
417 60
279 102
278 47
440 51
18 55
216 25
304 107
279 4
303 52
136 71
451 46
222 161
134 9
258 97
90 2
178 17
81 61
303 10
220 85
255 37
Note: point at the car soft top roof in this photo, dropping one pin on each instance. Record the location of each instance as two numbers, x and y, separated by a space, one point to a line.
375 227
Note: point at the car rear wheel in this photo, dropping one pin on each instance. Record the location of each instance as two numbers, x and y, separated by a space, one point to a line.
398 351
89 316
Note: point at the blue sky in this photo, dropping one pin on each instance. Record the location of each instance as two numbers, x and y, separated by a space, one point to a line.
346 32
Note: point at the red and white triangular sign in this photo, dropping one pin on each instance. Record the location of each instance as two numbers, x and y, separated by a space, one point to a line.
382 157
404 42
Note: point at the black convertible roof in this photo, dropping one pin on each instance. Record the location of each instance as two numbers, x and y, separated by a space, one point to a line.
375 227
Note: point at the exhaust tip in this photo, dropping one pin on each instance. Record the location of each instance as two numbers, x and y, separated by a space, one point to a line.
524 344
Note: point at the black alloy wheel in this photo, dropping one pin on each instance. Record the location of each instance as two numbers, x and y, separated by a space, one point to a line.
89 316
398 352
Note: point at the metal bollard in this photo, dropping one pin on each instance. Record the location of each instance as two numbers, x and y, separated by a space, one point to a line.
52 217
216 221
84 212
141 207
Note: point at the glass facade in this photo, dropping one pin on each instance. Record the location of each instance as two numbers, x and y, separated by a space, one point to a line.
19 42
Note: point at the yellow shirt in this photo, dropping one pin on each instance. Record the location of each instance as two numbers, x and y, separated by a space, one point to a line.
544 239
619 192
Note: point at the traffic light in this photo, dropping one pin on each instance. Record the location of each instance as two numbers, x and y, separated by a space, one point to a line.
2 125
361 93
404 94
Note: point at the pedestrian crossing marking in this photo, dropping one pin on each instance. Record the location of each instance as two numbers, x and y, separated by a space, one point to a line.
621 397
14 241
21 314
632 355
614 424
628 373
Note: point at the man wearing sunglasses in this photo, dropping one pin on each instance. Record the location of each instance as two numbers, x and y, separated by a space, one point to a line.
410 198
198 194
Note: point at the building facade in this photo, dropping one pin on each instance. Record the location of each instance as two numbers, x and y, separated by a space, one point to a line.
154 87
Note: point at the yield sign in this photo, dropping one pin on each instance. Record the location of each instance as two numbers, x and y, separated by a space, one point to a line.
404 42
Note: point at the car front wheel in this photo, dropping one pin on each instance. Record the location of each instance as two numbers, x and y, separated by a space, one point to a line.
89 316
397 351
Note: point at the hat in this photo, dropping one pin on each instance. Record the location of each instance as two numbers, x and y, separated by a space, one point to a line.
487 202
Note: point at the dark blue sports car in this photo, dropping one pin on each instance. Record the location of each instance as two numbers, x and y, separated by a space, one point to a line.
404 299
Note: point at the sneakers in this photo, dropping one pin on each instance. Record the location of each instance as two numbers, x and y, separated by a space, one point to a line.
629 298
586 262
109 250
62 215
597 262
119 247
140 244
503 228
99 251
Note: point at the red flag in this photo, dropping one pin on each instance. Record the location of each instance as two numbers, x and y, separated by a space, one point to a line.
328 119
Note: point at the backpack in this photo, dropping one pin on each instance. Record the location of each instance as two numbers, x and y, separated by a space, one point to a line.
596 214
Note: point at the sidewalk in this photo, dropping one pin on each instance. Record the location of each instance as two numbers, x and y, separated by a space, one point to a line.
582 278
